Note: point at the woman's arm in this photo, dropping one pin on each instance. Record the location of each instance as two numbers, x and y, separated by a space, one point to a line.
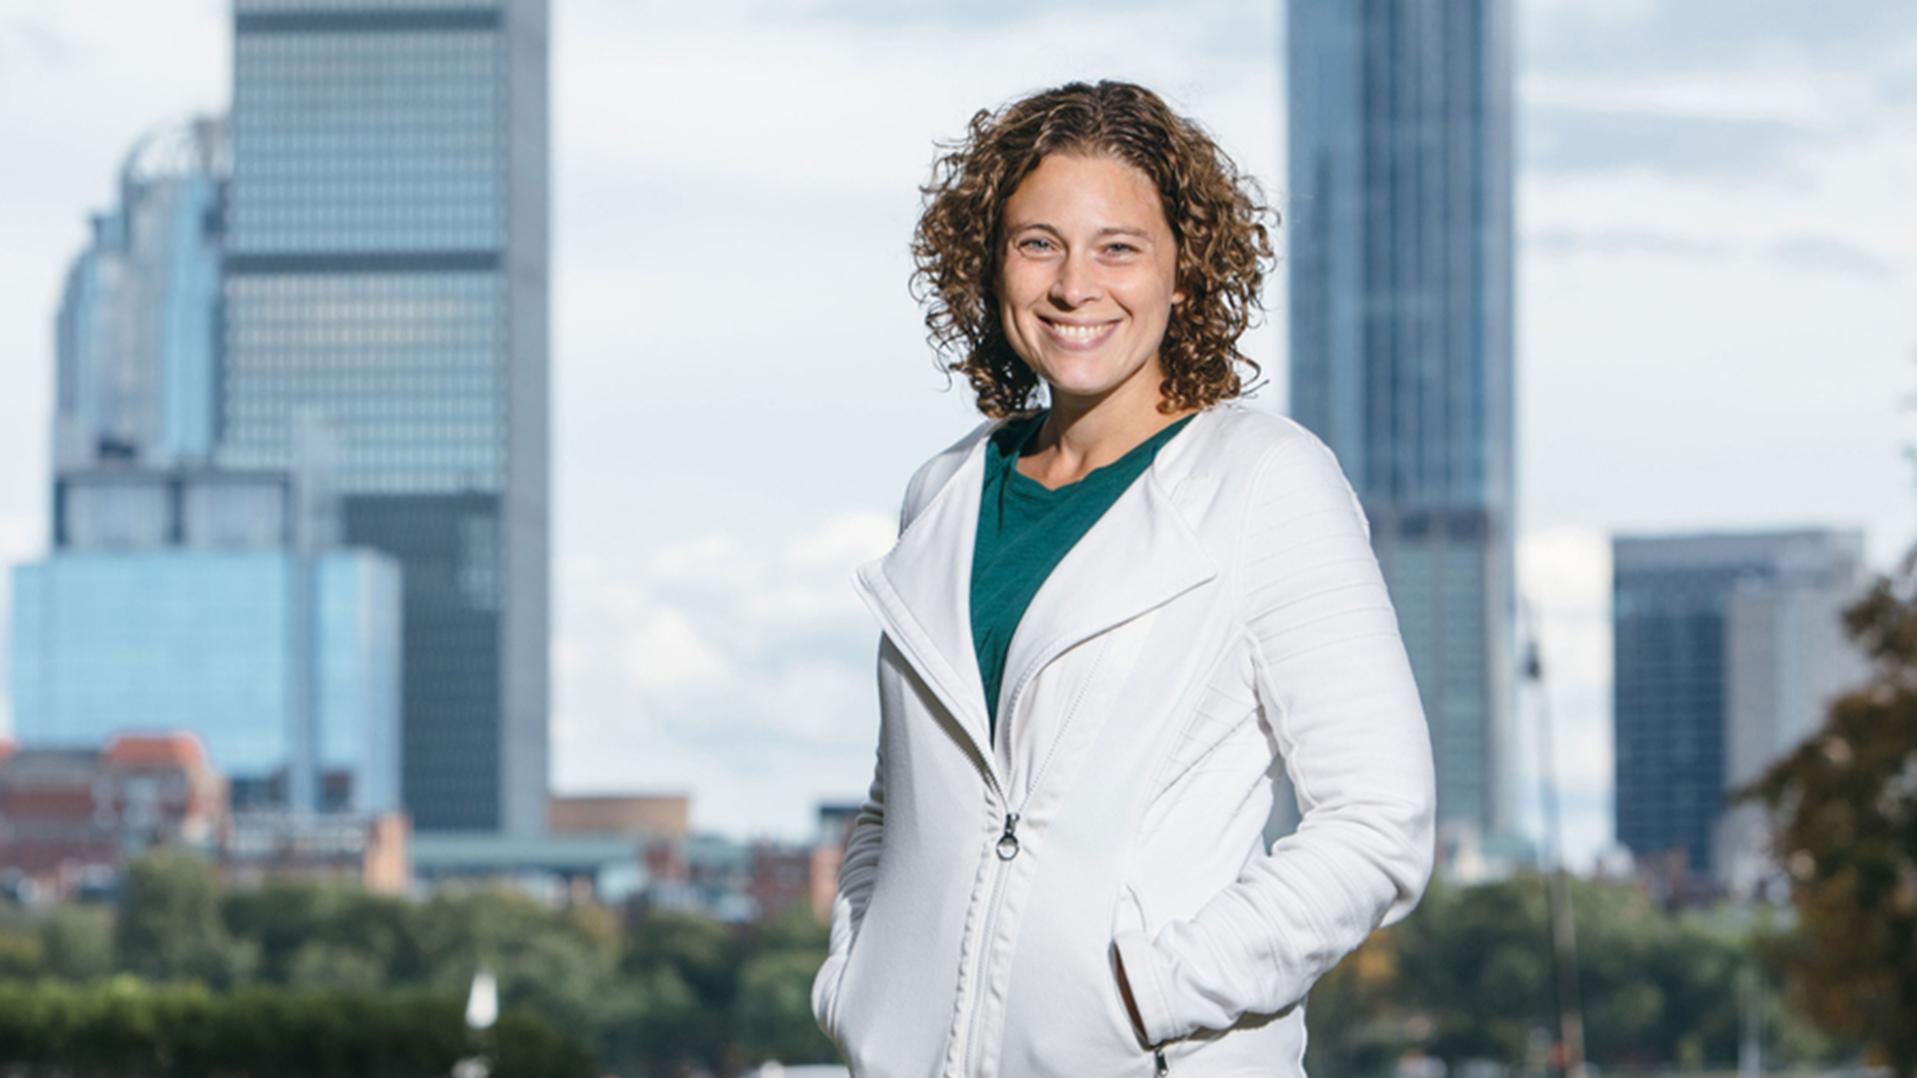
859 871
1336 687
860 868
856 876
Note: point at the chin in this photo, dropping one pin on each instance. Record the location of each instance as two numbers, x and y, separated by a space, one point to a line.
1087 384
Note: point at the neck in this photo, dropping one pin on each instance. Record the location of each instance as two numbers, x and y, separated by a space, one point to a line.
1081 434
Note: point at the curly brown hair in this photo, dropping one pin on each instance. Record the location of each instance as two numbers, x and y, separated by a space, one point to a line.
1217 218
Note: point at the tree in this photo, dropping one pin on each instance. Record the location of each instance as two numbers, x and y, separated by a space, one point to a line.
1843 809
772 1011
168 926
772 1018
78 942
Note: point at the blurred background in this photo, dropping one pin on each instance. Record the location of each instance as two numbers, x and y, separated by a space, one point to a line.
437 436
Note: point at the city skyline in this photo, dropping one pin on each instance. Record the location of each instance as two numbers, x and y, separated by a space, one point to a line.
683 322
176 594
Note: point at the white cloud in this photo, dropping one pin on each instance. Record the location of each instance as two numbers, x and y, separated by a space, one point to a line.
665 652
738 667
1798 96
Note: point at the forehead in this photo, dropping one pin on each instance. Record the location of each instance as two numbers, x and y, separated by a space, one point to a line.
1099 190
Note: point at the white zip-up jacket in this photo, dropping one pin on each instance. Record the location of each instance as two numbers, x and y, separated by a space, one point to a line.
1225 617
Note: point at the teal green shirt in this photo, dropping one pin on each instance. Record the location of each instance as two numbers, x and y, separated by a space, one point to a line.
1025 530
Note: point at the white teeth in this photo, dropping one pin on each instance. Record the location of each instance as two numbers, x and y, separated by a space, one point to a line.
1078 333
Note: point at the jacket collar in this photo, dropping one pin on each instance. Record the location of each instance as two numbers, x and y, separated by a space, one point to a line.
1140 554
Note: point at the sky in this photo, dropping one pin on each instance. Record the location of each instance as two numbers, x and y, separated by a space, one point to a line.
1717 254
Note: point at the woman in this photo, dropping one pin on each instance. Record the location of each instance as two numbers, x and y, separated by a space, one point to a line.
1106 625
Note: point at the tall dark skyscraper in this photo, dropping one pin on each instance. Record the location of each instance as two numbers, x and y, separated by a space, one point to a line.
1399 224
386 278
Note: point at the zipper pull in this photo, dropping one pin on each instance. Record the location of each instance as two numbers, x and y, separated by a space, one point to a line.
1008 842
1158 1058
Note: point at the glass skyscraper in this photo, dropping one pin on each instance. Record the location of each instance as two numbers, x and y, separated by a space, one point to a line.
386 274
1399 224
1727 648
137 338
208 640
179 595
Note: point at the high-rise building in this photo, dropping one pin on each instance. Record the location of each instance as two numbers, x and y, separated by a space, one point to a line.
1399 223
386 273
179 595
1728 647
189 599
137 338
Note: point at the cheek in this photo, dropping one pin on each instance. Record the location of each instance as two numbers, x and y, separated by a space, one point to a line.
1016 286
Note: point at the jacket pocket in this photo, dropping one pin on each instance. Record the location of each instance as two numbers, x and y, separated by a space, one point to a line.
1135 910
1130 915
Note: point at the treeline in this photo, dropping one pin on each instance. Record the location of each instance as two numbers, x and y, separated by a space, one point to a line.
128 1027
1469 976
302 978
633 996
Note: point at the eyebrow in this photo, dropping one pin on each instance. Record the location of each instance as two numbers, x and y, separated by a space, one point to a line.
1108 230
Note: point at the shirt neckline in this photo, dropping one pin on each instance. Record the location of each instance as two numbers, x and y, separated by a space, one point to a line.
1025 484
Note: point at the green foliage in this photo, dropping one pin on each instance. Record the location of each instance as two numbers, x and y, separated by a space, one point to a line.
1470 976
793 930
703 953
1843 808
681 975
325 978
350 927
655 1018
773 1018
76 943
326 964
168 925
526 1047
125 1026
22 954
550 963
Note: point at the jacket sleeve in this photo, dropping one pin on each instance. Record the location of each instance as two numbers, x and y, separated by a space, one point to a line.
859 871
1334 682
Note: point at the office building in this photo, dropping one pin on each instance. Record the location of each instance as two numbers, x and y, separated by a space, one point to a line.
283 665
181 595
137 336
386 274
1727 650
1399 225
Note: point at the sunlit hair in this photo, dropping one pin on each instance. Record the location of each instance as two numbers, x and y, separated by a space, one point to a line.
1216 215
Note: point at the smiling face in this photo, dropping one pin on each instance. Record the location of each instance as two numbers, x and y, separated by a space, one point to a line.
1087 279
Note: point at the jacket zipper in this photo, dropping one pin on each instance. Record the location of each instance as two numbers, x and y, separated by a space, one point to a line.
1158 1061
1007 846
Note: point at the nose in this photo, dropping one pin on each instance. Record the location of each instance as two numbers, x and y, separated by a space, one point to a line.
1075 283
